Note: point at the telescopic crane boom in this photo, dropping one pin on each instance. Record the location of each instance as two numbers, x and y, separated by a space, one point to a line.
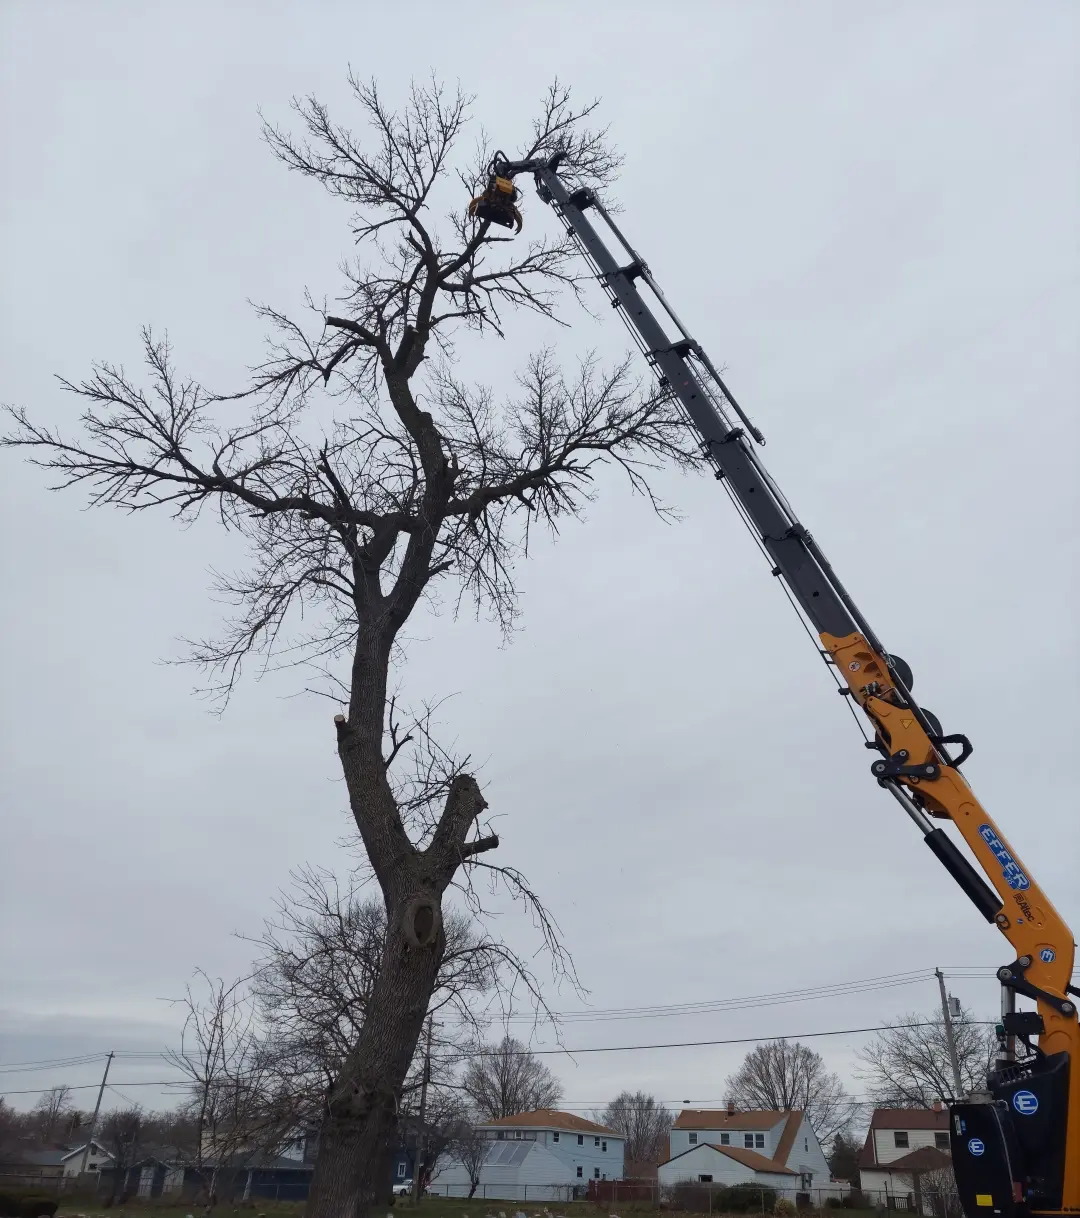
1016 1146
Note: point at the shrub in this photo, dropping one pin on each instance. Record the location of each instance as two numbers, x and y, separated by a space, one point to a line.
27 1205
38 1207
785 1206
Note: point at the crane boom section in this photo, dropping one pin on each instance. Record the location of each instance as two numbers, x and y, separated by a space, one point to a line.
914 764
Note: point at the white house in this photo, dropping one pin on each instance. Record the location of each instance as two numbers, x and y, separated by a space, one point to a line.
97 1158
769 1148
903 1143
543 1156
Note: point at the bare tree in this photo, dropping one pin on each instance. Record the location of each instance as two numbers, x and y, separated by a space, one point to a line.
908 1066
643 1122
236 1107
507 1078
122 1134
367 475
788 1076
52 1112
14 1132
468 1146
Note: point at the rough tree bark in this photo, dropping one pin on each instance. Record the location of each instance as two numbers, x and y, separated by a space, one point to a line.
348 531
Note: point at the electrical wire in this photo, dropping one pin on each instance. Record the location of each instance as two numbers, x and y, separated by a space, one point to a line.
696 1044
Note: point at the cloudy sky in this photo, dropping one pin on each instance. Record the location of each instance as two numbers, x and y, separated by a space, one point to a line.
866 213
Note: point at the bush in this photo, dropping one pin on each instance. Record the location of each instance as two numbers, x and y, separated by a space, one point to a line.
746 1199
785 1206
27 1205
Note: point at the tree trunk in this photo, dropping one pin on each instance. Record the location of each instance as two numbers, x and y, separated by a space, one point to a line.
359 1127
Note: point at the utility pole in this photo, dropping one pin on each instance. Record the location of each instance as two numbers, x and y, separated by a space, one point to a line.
93 1119
950 1037
421 1138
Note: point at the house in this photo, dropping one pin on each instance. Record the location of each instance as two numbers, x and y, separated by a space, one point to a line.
58 1161
766 1147
544 1155
902 1144
97 1158
160 1174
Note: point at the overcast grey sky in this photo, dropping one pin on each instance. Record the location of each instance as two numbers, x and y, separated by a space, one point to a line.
868 213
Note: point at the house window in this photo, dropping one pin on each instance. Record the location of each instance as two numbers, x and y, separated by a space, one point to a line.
555 1136
596 1173
693 1139
501 1136
759 1141
941 1140
725 1139
517 1134
581 1139
579 1173
704 1179
900 1139
401 1170
806 1143
603 1147
596 1141
748 1141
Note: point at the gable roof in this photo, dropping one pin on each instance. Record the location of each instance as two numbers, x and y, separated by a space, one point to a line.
720 1118
909 1118
748 1158
549 1118
95 1148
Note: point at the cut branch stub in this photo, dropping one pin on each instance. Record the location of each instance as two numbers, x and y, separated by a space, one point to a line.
421 922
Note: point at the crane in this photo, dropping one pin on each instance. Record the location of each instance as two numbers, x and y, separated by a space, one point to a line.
1016 1143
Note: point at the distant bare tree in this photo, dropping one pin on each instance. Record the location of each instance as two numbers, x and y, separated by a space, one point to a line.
507 1078
14 1132
52 1112
788 1076
643 1122
909 1067
468 1146
938 1187
236 1107
122 1134
366 475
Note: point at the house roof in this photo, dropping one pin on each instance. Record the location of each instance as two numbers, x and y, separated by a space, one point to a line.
749 1158
909 1162
95 1148
549 1118
787 1138
909 1118
45 1158
926 1158
720 1118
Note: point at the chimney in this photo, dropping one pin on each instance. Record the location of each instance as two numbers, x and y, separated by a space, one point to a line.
938 1106
730 1108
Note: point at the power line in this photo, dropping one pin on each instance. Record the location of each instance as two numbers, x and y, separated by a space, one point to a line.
173 1082
694 1044
56 1063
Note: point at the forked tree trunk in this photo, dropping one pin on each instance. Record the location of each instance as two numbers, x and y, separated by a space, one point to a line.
359 1129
